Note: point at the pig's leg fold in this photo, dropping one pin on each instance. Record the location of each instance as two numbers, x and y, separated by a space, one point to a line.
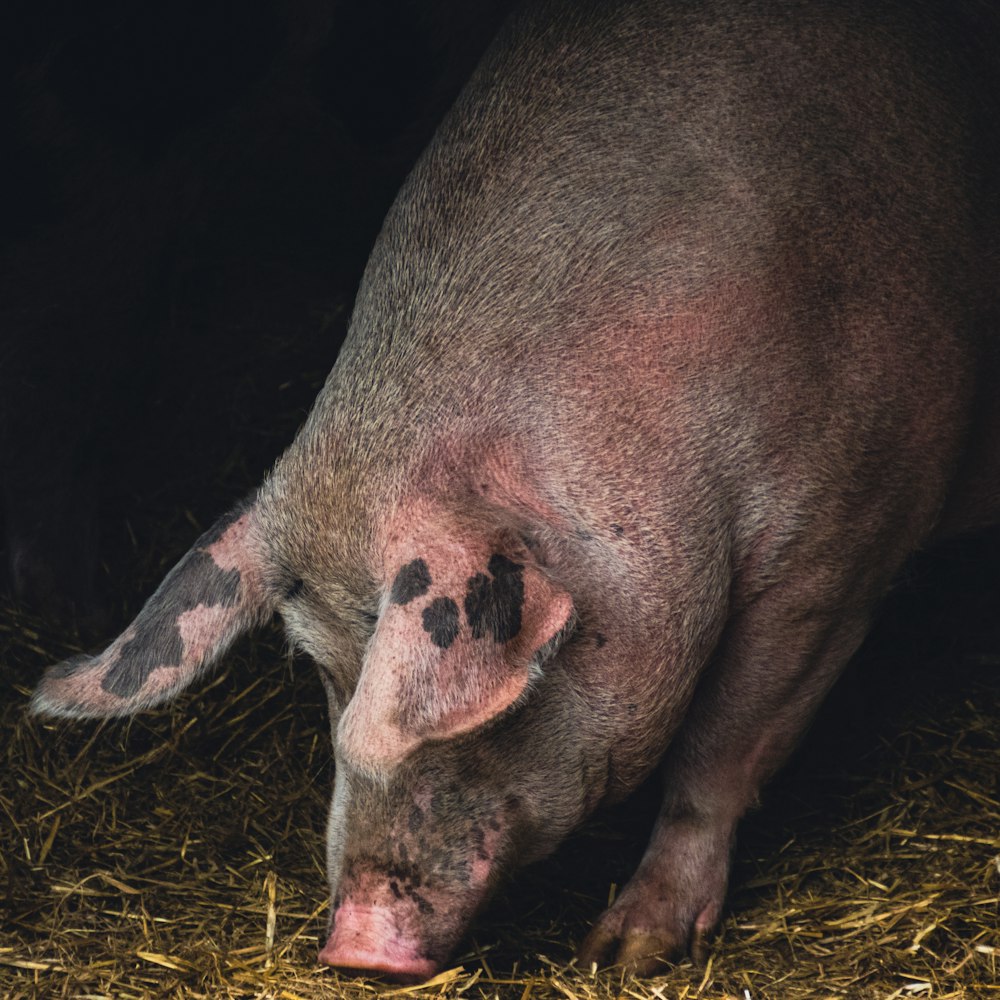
770 674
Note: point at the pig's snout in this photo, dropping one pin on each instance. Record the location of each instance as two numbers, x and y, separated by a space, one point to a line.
367 939
390 923
411 864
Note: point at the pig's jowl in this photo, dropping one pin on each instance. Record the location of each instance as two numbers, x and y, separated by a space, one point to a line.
677 342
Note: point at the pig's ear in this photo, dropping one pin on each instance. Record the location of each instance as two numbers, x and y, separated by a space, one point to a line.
439 667
215 593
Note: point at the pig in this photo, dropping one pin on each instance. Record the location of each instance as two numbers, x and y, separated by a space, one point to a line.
677 342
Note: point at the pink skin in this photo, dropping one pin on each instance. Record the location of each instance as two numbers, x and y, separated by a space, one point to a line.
236 548
201 627
368 939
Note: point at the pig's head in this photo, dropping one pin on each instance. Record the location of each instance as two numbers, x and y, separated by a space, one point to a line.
453 725
433 799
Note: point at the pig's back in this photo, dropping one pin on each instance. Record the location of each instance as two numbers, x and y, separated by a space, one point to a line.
744 244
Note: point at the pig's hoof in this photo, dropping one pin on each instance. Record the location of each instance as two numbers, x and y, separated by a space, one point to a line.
629 938
639 952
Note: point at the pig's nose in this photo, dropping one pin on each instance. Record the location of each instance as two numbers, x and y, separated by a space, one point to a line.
366 941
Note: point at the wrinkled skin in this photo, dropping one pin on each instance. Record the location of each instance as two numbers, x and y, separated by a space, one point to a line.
678 341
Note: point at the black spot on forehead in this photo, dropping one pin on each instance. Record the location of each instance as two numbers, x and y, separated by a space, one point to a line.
440 619
494 606
413 580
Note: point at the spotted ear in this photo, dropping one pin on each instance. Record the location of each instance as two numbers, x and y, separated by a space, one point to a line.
214 594
438 667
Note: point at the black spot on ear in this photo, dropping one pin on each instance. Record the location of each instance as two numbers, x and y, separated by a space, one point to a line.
196 579
295 589
413 580
140 656
494 606
440 619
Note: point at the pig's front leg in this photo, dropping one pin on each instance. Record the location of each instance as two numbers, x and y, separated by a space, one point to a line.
775 664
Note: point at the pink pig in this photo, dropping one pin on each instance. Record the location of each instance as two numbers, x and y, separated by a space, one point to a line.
678 341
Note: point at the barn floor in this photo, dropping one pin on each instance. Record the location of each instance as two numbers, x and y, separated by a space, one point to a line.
179 854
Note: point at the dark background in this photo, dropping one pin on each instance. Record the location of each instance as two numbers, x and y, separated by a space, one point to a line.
191 192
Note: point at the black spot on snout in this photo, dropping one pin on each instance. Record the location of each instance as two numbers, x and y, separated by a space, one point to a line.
440 619
196 579
424 905
413 580
494 606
